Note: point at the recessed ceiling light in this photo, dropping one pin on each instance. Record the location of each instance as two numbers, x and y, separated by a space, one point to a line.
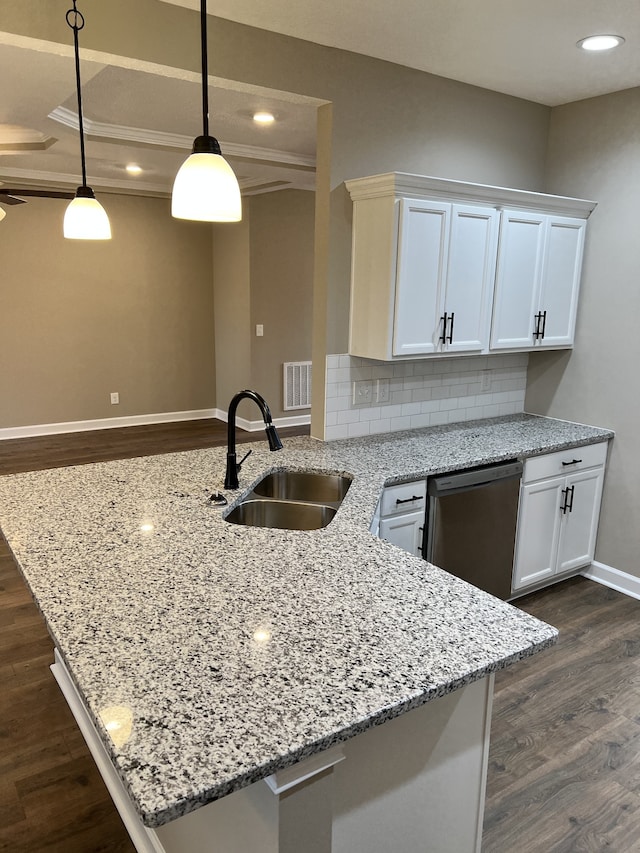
134 169
603 42
263 117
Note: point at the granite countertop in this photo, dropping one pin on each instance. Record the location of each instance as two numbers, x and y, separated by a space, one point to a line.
236 651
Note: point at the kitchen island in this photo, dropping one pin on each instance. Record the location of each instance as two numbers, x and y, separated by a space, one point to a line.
209 656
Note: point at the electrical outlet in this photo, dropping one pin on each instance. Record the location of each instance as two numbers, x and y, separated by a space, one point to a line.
259 330
485 380
115 398
362 392
382 391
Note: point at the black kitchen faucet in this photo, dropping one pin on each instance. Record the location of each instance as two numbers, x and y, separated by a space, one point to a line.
233 467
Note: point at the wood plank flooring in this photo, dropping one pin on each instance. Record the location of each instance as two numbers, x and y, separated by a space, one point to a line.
564 767
564 770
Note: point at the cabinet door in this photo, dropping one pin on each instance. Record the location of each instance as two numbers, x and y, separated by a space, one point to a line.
562 265
580 523
405 531
470 277
539 518
520 254
423 240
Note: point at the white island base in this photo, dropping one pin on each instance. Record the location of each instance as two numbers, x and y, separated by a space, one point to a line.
413 784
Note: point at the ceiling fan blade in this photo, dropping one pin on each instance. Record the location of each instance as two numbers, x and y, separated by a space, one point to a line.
16 196
9 199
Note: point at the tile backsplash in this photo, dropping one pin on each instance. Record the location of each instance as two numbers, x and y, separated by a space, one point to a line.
422 393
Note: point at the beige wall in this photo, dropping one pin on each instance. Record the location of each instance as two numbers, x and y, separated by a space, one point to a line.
232 307
594 152
79 320
263 273
385 117
281 288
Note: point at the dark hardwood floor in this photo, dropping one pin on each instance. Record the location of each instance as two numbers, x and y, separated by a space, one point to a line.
564 768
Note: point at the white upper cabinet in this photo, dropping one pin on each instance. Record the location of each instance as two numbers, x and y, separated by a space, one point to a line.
424 228
444 279
537 281
443 268
470 277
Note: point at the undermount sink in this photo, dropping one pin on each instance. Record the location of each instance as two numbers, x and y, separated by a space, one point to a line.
303 486
286 515
292 500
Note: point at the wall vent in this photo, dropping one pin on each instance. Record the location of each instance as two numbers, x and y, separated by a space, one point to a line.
297 385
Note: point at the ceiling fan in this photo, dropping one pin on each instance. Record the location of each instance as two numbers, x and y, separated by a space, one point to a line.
15 196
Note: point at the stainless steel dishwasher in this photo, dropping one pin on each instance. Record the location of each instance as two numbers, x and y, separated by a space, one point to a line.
471 524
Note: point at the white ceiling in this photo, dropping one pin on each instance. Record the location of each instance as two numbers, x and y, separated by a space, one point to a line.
524 48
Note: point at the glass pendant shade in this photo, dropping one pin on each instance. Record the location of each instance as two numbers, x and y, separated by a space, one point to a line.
85 218
206 190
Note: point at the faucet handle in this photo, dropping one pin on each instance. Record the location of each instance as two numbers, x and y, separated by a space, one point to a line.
239 464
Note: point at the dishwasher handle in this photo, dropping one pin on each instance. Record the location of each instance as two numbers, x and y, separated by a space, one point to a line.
464 481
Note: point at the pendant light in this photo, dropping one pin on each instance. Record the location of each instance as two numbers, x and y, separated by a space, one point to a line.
85 218
205 188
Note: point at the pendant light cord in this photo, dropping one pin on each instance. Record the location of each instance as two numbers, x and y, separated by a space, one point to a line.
205 68
75 20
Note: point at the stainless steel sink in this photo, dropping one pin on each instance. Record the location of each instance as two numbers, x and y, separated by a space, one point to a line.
292 500
303 486
286 515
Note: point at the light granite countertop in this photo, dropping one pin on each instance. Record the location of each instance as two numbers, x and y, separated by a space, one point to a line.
238 651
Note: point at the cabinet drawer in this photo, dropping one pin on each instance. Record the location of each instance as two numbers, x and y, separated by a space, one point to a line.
406 497
564 462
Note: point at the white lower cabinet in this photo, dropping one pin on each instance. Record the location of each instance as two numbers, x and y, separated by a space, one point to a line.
558 514
402 515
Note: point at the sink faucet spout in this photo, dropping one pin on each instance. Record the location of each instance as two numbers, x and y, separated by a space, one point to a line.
231 476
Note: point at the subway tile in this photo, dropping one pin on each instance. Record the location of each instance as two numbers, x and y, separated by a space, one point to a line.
429 406
333 361
419 421
336 432
331 376
400 423
381 371
361 373
336 404
411 409
348 417
383 425
491 411
439 393
474 413
439 418
372 413
331 389
357 429
404 368
342 374
401 396
331 418
393 411
345 360
420 395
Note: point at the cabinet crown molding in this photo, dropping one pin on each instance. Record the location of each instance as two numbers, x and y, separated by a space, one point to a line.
402 184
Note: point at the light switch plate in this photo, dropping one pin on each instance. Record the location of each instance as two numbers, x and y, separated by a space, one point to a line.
362 392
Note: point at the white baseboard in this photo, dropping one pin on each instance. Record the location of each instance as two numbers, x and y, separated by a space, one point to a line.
141 420
255 426
613 578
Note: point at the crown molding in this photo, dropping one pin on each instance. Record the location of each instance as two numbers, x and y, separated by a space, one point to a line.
175 141
28 178
401 184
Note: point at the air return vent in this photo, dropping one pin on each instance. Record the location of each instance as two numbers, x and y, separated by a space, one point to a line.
297 385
